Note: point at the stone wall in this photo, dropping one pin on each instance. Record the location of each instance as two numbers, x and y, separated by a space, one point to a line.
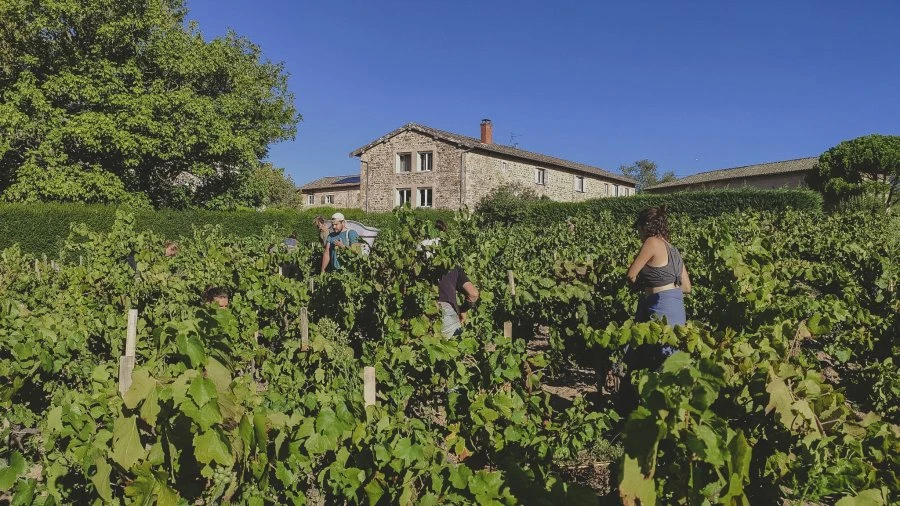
484 172
768 182
343 197
380 179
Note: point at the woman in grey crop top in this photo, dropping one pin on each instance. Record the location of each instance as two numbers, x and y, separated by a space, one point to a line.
658 270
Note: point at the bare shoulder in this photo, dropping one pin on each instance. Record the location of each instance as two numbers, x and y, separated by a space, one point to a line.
654 242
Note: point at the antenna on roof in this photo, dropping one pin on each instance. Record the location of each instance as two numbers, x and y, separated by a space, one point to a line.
512 140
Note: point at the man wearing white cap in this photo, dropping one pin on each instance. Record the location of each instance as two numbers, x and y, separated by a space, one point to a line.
340 237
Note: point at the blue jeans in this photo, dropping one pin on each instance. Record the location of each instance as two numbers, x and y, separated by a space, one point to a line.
668 304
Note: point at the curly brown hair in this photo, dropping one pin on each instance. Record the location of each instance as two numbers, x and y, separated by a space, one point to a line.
653 222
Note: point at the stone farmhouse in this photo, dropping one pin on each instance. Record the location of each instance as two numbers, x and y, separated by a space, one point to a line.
426 167
333 191
768 176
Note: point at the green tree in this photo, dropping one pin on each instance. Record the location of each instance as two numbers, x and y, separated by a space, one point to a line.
646 173
867 166
119 100
280 190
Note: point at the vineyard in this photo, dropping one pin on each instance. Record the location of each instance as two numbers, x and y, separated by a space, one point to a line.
785 389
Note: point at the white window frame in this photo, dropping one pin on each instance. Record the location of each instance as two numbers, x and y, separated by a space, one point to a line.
540 176
329 199
504 167
430 155
400 163
617 190
398 196
579 188
311 199
421 201
606 189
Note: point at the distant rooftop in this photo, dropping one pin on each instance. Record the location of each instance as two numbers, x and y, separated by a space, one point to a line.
762 169
332 182
473 143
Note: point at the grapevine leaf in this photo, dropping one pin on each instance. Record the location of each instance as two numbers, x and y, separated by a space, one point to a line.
635 488
126 444
54 420
374 491
10 473
101 481
191 347
219 374
738 466
678 361
141 386
780 399
870 497
149 486
211 447
202 390
460 476
150 408
24 495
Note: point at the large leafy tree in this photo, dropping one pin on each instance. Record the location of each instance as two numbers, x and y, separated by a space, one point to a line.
280 190
646 173
868 165
122 101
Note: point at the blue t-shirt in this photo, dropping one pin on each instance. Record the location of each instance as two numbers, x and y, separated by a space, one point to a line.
347 238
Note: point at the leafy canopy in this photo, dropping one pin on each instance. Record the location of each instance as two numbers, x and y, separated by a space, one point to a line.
865 166
122 101
646 173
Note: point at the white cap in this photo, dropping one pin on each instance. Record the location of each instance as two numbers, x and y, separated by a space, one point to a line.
337 217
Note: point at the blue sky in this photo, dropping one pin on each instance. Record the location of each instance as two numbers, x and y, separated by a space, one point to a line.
693 85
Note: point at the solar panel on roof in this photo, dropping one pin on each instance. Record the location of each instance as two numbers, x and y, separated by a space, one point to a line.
348 180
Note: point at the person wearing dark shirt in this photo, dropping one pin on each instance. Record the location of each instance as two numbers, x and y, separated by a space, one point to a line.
453 315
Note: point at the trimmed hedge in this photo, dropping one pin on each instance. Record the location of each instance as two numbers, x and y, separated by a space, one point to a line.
42 228
696 204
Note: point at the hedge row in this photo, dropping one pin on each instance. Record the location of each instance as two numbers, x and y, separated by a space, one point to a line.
697 204
42 228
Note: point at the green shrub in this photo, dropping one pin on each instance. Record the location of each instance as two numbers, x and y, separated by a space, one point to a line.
42 228
699 204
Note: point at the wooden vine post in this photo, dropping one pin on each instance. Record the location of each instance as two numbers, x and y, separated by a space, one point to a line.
312 285
369 388
507 330
126 361
304 329
512 282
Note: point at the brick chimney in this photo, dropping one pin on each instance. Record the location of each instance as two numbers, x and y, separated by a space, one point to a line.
487 131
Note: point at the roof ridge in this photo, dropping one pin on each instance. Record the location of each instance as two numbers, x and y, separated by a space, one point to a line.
475 143
743 171
751 165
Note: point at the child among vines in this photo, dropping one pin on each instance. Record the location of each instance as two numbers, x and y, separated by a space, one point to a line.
217 296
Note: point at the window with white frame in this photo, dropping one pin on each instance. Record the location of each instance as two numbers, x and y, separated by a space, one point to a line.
540 176
617 190
425 197
404 162
425 161
404 196
329 199
579 184
504 167
310 199
606 189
